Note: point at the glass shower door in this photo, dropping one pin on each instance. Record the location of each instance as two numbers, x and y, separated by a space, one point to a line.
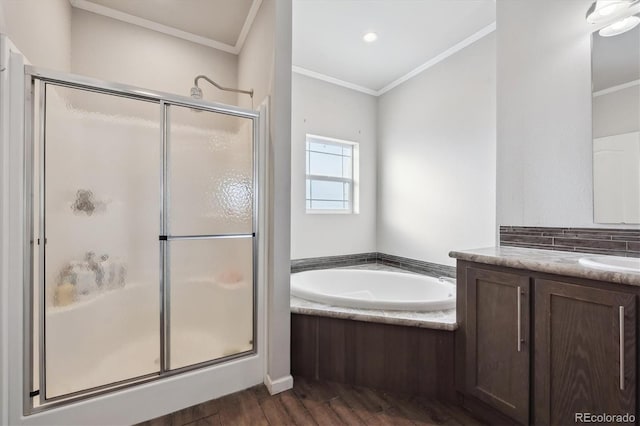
211 236
101 263
143 238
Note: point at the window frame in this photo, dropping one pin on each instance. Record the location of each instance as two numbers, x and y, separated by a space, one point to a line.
353 181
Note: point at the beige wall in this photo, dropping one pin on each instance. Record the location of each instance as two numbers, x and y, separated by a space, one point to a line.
41 30
112 50
265 65
256 60
278 366
325 109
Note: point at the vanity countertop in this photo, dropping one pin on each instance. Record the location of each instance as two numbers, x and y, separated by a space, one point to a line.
549 261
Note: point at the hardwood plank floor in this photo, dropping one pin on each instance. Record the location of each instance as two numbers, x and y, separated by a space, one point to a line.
320 403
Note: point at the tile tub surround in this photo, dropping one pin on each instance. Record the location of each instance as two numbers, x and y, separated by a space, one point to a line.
437 320
549 261
311 263
616 242
404 263
417 266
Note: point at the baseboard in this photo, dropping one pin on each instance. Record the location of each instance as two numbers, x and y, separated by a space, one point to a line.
279 385
485 412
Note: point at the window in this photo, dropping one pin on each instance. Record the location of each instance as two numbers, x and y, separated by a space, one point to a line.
331 166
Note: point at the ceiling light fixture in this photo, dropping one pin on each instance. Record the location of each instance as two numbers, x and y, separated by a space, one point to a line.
619 27
370 37
602 10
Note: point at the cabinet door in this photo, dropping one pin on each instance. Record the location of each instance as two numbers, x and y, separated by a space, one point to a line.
585 352
497 326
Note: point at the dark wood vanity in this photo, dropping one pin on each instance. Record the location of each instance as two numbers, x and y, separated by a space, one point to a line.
535 347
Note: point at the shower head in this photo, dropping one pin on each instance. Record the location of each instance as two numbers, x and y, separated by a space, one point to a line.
196 92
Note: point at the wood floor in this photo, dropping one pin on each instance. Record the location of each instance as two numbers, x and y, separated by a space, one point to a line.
318 403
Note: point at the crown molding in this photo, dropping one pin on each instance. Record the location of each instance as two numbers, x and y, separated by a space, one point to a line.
333 80
439 58
248 23
165 29
430 63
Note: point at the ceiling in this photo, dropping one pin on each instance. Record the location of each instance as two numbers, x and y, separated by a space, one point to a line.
222 24
327 36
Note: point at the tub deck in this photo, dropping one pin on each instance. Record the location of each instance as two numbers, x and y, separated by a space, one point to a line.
437 320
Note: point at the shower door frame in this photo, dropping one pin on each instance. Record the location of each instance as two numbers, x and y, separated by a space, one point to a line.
41 77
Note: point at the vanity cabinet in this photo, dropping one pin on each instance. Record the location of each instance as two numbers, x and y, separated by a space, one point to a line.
585 352
497 354
537 348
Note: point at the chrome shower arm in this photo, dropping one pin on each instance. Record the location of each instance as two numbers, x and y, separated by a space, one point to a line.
227 89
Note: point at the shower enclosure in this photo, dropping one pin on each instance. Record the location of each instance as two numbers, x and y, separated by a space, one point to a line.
144 239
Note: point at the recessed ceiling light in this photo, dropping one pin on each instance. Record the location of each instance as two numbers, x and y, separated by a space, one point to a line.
370 37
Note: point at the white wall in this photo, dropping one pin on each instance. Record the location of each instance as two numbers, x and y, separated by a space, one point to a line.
265 65
544 170
325 109
116 51
40 29
436 158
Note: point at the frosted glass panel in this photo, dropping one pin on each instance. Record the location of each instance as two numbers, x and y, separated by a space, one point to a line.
102 200
211 173
211 312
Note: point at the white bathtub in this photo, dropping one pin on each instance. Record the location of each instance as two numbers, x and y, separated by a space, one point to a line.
367 289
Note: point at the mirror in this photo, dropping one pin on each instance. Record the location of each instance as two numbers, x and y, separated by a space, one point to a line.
615 66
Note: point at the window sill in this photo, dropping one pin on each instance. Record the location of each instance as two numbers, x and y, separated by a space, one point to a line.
329 212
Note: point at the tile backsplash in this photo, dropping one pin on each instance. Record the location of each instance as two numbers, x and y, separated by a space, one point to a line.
617 242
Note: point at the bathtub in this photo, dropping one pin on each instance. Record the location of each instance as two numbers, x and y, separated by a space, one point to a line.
367 289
